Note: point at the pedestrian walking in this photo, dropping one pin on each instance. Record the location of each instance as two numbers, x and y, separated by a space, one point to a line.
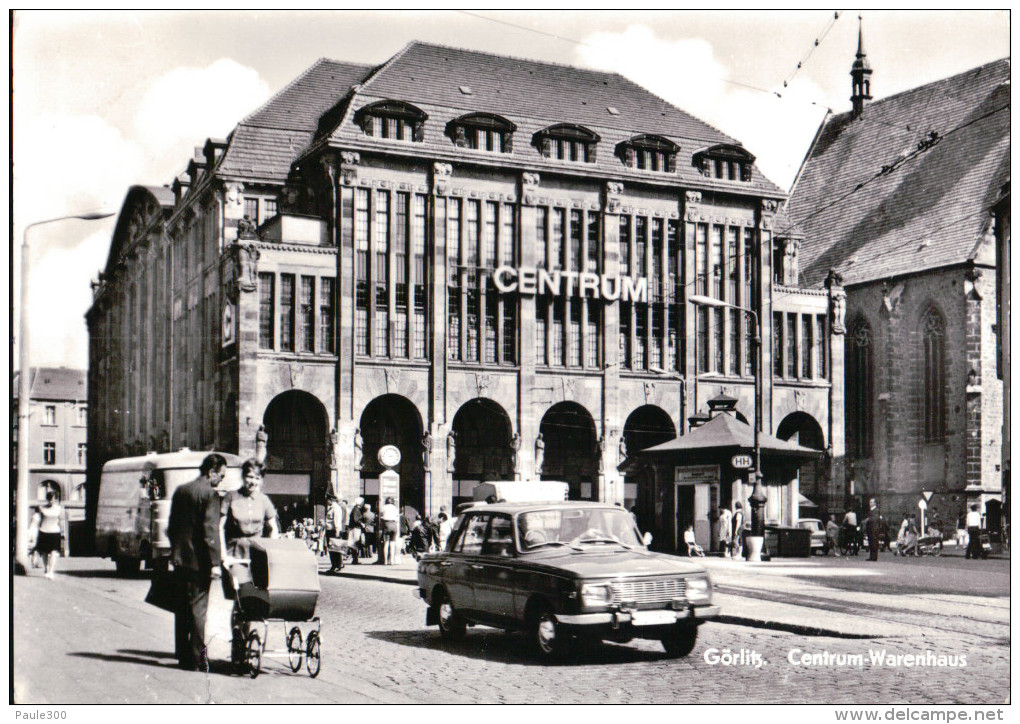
194 532
389 529
871 525
738 529
48 521
356 529
336 532
725 531
832 534
973 532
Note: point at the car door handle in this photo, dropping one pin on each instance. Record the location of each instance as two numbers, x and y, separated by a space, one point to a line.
476 567
446 564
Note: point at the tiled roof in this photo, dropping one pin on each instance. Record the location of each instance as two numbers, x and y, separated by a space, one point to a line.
534 95
930 209
266 142
56 383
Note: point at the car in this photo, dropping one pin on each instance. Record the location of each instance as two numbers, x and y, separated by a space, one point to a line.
565 573
819 541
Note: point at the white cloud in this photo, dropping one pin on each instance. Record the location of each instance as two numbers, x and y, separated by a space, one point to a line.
185 106
687 74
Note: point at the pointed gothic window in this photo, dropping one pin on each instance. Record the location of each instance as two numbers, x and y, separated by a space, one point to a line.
933 335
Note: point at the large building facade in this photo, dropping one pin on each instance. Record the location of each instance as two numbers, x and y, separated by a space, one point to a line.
896 198
485 261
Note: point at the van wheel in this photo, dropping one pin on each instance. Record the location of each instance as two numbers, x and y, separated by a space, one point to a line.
127 566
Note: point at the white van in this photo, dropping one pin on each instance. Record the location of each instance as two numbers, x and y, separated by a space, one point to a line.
521 491
134 504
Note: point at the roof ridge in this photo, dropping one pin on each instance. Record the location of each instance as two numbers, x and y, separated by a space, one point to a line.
926 86
301 76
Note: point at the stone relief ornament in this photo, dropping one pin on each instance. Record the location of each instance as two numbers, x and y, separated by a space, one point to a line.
451 451
441 174
392 379
769 206
839 312
530 182
693 197
359 448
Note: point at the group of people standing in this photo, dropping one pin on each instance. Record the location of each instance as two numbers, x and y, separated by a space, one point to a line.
212 527
730 530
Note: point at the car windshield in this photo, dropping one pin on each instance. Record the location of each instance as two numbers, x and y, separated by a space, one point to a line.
576 527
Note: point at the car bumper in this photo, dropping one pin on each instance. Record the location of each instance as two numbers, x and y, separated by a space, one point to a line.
616 619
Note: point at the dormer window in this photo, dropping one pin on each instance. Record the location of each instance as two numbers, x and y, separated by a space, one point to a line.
482 132
567 142
393 120
725 162
649 153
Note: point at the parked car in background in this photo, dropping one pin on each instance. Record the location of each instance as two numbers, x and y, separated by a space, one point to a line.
563 572
819 541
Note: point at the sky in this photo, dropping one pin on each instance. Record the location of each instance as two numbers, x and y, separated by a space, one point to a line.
106 100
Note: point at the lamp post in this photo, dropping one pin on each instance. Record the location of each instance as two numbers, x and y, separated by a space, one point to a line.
24 390
756 540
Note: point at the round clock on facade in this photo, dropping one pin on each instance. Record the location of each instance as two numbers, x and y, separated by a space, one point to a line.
389 456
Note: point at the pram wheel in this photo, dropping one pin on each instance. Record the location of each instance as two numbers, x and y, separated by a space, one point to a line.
294 649
254 654
312 654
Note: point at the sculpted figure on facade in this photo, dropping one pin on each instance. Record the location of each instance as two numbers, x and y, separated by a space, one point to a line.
426 450
246 265
333 438
359 451
441 173
539 454
839 312
515 447
451 451
246 228
622 452
600 452
261 444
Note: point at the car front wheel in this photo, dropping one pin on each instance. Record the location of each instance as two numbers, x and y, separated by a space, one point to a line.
452 626
680 640
548 638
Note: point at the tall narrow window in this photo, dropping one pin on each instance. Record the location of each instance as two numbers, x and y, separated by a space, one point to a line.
807 344
491 325
732 359
327 316
489 241
49 453
555 254
542 236
748 259
626 347
472 323
558 323
473 319
251 208
509 332
454 309
508 237
625 269
673 260
820 344
701 259
541 329
576 230
593 254
418 269
400 260
361 271
791 345
307 313
657 258
381 274
640 337
732 264
859 389
287 312
658 322
716 272
701 337
266 310
593 334
777 345
574 357
719 336
934 391
82 452
50 415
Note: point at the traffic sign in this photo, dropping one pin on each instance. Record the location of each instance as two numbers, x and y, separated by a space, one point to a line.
927 495
741 462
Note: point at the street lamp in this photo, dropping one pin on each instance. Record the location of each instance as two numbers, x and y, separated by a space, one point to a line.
24 374
757 538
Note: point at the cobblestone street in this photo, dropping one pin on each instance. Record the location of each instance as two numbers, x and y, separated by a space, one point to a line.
376 649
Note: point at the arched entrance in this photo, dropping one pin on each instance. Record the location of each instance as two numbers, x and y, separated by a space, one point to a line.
393 420
483 435
571 455
646 427
801 428
297 459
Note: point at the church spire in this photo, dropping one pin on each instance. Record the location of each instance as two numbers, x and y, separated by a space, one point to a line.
860 73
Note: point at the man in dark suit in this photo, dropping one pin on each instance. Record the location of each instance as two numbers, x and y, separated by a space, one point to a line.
194 530
872 526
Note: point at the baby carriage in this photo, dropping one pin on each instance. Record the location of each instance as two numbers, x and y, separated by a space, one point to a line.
277 585
931 544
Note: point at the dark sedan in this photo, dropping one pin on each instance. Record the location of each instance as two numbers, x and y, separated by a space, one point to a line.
563 572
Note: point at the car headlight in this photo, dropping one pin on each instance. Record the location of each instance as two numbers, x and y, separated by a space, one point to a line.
699 590
596 594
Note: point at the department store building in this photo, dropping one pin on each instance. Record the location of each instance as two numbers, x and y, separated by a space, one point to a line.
485 261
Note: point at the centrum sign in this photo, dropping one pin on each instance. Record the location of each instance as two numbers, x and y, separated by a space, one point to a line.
570 283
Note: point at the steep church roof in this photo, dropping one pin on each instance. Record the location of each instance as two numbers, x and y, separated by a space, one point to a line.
879 195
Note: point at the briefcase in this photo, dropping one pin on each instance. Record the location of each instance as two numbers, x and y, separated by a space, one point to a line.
165 592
